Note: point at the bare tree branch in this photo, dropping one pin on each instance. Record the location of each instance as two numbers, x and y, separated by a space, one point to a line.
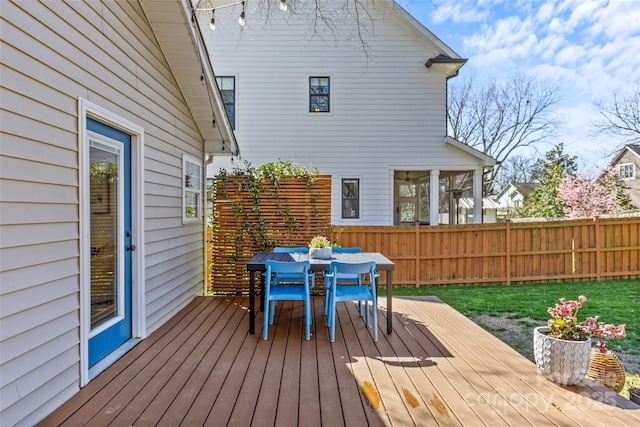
620 117
498 118
324 14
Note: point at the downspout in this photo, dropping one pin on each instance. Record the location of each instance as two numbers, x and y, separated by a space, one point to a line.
434 208
208 159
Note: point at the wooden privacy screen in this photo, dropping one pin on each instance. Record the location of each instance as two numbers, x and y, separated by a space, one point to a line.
249 219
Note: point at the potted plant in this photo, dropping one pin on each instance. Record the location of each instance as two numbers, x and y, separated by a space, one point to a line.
562 348
320 248
634 394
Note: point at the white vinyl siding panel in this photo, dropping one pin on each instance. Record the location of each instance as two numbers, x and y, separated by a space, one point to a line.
388 110
104 52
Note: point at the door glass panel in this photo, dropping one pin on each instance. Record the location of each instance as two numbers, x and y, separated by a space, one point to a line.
104 195
424 202
407 212
407 190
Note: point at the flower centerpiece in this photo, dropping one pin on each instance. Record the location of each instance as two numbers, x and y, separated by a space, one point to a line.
320 248
562 348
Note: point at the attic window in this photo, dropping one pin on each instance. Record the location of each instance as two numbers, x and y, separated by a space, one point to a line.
319 92
627 171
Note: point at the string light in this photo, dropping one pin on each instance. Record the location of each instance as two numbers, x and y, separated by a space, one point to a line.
212 24
241 19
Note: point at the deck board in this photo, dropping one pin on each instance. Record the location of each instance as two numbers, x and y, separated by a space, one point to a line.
437 368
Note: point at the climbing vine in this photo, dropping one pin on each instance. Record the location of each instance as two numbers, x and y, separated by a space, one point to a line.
258 208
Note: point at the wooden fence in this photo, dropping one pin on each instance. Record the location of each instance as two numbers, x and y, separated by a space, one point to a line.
505 252
498 253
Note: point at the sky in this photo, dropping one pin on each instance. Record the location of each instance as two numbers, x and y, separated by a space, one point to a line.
587 48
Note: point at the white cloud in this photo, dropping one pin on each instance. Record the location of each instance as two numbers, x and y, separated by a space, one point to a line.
583 12
506 33
618 18
459 12
570 55
586 47
545 13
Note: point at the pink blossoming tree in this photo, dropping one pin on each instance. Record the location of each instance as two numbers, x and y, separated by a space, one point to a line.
583 197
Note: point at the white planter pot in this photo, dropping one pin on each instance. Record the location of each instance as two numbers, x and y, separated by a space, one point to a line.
320 253
561 361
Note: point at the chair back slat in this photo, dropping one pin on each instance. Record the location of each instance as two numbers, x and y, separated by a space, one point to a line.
352 250
287 267
291 249
354 268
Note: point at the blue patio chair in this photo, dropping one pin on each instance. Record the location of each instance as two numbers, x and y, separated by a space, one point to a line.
344 278
276 292
293 278
360 292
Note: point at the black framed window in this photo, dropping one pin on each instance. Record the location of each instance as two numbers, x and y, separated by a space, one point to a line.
351 198
227 86
319 93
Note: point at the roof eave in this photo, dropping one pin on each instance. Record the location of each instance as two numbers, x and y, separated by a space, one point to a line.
178 34
451 66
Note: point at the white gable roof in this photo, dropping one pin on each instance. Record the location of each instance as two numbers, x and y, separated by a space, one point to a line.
486 159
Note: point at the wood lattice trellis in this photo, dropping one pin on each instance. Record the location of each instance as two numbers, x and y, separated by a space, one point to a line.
249 219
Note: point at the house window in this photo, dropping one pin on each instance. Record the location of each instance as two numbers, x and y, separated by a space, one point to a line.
319 94
350 198
227 86
627 171
191 189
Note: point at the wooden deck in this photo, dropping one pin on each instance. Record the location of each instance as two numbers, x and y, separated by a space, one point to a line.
437 368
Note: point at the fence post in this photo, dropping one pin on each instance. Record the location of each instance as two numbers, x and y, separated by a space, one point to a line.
508 250
596 223
417 246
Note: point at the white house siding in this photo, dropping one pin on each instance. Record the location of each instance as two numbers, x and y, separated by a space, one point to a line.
52 54
388 111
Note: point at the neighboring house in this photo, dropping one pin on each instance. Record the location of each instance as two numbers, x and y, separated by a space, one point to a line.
489 210
370 112
511 197
107 122
627 163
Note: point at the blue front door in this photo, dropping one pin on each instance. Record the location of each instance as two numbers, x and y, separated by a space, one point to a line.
111 246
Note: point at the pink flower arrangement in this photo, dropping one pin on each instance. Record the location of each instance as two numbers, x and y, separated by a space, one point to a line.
604 331
564 324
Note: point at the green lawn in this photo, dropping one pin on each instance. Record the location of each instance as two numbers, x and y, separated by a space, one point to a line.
616 301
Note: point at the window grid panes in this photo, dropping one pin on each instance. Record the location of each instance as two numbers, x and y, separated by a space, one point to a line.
350 198
319 93
192 189
626 171
227 86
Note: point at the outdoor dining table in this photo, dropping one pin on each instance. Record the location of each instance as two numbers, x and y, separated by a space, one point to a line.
257 264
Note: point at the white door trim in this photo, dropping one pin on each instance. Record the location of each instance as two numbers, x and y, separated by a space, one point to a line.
89 109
